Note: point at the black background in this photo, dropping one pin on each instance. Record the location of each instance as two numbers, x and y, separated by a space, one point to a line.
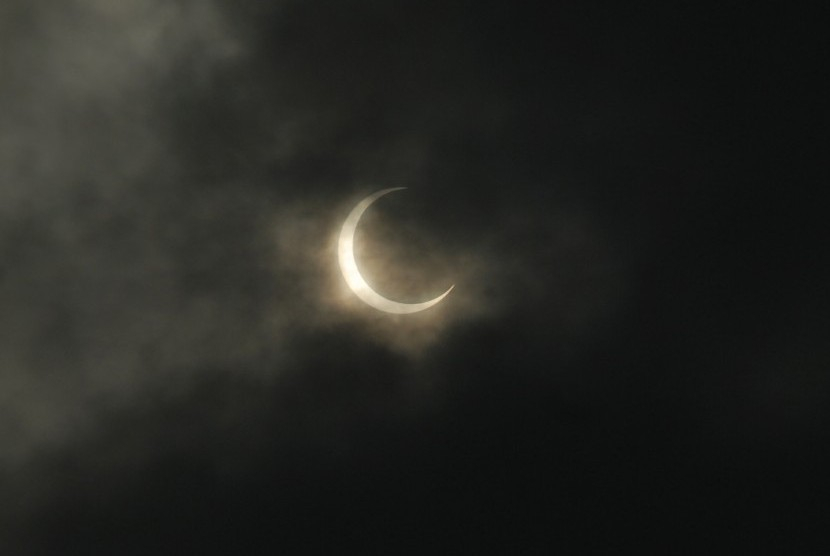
636 189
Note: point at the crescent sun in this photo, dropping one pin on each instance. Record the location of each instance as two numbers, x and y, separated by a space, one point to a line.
348 265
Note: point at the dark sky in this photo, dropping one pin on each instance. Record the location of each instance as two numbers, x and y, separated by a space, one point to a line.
626 198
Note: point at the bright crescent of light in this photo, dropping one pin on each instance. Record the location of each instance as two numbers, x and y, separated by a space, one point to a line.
348 265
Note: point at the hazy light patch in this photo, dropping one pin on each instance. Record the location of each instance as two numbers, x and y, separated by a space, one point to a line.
317 296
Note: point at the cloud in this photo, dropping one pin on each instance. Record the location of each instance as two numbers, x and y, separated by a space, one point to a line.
172 181
91 285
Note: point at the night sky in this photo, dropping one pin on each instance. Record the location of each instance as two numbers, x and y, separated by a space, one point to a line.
625 195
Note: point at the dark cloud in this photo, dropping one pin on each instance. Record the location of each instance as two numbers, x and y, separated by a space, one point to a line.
634 351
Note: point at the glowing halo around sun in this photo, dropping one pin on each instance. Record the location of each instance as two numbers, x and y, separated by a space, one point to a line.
355 281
